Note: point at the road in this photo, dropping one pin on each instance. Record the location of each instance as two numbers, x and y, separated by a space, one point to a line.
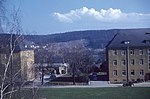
93 84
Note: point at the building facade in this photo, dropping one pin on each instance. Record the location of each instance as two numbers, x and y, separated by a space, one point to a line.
53 68
17 62
27 65
128 57
20 66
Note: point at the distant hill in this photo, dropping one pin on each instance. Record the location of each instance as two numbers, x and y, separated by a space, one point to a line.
95 38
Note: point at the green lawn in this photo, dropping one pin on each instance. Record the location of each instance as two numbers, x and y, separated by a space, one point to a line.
92 93
96 93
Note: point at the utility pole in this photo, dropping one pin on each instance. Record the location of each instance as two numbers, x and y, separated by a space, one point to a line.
73 74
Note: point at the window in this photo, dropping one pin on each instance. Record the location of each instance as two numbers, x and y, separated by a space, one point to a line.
123 72
131 51
28 63
114 62
126 42
141 52
123 52
123 62
149 66
141 72
26 46
148 50
146 41
115 72
27 55
141 61
132 61
132 73
114 52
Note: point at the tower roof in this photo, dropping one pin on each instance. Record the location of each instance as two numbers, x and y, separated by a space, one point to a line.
18 43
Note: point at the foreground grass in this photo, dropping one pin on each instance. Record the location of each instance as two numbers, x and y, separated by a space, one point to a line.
96 93
87 93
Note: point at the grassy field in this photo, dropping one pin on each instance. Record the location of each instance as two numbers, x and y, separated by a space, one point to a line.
95 93
91 93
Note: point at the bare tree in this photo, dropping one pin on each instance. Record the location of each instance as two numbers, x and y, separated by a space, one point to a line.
42 59
7 76
8 45
77 56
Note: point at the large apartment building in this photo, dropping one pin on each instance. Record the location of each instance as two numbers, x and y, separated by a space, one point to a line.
20 63
128 56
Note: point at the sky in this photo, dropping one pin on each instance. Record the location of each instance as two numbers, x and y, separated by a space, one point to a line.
58 16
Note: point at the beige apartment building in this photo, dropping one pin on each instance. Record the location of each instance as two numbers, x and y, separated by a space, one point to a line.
20 65
128 56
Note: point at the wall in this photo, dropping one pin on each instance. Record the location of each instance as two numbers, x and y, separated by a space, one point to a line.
27 65
136 67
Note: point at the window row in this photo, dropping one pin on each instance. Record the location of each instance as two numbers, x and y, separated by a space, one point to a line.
131 61
131 80
124 72
148 50
131 52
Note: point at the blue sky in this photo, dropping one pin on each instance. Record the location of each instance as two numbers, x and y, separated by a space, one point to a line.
57 16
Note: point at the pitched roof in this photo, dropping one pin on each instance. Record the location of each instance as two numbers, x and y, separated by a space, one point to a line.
130 38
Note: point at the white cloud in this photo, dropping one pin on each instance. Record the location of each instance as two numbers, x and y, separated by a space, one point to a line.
110 15
62 18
